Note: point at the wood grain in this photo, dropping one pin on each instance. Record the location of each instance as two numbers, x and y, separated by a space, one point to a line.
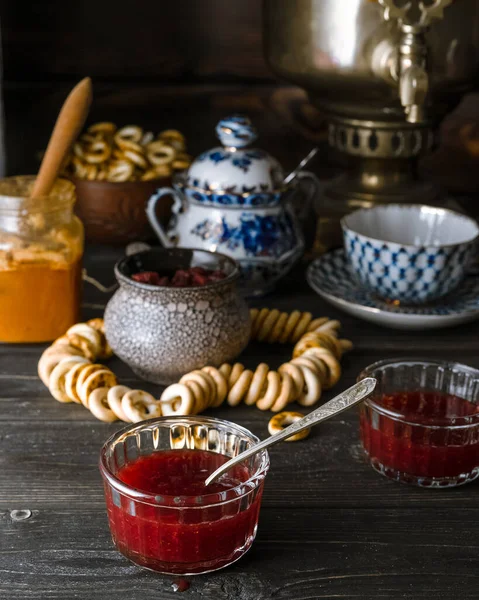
332 553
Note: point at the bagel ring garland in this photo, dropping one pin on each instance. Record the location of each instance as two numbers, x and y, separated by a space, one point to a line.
69 369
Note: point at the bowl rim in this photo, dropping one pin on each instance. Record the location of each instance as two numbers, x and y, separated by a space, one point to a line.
181 502
369 370
231 277
346 227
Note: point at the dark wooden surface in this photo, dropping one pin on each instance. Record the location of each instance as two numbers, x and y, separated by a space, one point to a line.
330 527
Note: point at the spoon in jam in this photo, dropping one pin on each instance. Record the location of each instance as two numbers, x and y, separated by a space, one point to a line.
340 403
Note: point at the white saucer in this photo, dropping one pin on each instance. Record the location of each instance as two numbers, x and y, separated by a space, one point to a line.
330 276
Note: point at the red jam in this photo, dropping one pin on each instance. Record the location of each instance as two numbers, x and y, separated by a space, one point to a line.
435 441
194 276
188 528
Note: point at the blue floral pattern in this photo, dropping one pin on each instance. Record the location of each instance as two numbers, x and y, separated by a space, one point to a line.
241 160
269 236
249 197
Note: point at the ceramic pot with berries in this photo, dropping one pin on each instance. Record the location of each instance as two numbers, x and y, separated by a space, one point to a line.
233 200
176 310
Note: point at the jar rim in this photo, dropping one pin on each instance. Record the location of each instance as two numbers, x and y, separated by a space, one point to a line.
182 502
16 195
455 422
181 252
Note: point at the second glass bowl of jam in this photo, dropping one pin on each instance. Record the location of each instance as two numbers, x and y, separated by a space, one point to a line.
421 424
161 515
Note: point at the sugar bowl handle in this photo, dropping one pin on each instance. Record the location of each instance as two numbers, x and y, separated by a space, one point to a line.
310 185
168 241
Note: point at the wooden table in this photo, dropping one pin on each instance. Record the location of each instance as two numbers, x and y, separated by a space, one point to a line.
330 527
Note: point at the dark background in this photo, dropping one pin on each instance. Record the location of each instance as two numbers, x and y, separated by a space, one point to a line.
166 63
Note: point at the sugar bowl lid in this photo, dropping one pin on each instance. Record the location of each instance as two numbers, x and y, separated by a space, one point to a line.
234 167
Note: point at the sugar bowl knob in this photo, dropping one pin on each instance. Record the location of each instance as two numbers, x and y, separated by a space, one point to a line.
236 132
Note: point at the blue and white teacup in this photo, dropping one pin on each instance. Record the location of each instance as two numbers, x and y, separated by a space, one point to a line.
409 253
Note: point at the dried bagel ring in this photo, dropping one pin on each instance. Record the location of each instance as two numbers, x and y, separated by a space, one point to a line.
272 391
296 375
88 138
258 382
100 378
56 383
99 325
150 175
201 399
139 406
78 150
71 379
312 389
79 167
86 331
120 170
97 152
205 381
221 385
331 362
104 127
180 165
240 387
91 172
82 343
115 396
285 393
99 407
83 376
171 134
177 399
130 133
159 153
162 170
51 357
146 138
173 138
136 158
124 145
282 420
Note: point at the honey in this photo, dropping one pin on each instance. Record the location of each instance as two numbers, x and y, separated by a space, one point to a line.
40 300
41 247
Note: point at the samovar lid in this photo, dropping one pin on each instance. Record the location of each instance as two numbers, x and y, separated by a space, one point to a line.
234 167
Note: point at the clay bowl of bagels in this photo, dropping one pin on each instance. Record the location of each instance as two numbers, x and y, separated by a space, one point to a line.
114 212
115 171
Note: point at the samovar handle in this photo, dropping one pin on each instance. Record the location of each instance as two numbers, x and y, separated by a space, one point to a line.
411 68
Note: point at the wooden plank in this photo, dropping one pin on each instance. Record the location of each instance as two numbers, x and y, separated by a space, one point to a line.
302 554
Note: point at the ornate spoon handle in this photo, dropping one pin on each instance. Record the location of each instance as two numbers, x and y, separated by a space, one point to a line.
345 400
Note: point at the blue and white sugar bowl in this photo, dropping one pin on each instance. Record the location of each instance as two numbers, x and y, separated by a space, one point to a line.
407 253
233 200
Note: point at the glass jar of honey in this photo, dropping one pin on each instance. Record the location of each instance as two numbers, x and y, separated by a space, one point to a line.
41 248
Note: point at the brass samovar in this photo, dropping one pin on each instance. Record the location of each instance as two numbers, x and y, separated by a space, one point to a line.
384 73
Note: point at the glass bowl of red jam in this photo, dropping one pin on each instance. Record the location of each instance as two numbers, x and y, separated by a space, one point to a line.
161 515
421 424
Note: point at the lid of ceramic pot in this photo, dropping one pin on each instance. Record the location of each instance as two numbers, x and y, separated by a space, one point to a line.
235 167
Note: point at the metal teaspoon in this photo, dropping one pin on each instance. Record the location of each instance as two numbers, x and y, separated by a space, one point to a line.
289 178
345 400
